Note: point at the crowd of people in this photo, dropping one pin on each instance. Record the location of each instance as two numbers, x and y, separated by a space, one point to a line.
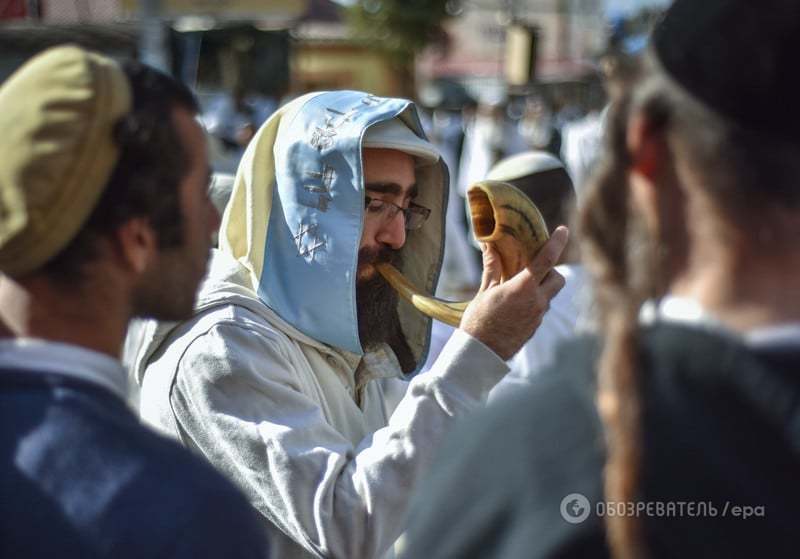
278 399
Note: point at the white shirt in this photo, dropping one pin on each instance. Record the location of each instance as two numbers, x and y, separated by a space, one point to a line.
567 314
277 412
581 148
688 311
39 356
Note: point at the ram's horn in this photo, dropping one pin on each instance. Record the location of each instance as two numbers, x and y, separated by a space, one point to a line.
449 312
502 215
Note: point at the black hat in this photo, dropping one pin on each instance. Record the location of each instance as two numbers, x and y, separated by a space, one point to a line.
738 57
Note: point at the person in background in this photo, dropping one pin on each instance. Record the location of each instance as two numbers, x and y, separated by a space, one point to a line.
461 271
674 434
103 216
539 126
543 178
489 136
582 148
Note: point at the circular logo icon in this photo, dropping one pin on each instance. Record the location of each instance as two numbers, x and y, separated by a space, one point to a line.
575 508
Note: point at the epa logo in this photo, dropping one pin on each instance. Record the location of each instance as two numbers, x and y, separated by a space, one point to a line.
575 508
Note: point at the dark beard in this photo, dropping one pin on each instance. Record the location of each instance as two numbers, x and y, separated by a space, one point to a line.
168 291
376 305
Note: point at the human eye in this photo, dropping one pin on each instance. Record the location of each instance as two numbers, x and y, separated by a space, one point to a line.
416 215
417 209
374 205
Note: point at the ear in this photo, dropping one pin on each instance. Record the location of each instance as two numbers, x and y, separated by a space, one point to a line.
658 193
137 243
647 147
650 161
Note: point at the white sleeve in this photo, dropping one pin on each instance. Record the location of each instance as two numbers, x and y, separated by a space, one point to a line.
237 399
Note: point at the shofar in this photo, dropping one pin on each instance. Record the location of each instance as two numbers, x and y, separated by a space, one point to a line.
501 215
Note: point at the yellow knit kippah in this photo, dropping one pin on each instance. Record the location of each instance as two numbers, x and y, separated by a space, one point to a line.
57 115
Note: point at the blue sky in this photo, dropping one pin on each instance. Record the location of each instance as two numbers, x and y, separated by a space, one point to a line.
613 7
622 7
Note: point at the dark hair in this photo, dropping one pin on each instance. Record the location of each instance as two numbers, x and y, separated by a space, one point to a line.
553 194
145 180
744 173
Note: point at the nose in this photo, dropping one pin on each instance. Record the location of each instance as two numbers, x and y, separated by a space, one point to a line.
392 232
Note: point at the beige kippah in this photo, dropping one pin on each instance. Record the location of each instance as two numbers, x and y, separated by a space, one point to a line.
57 115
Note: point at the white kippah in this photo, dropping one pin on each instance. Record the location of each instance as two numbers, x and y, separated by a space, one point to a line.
394 134
523 165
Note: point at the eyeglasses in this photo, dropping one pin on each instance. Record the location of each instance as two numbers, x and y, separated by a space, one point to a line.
414 215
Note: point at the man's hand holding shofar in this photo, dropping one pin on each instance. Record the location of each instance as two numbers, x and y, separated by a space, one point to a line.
518 279
503 316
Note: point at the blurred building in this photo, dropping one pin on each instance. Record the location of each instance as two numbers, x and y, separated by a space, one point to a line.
326 55
565 37
269 48
210 45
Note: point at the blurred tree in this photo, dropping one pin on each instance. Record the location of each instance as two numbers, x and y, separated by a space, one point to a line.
401 29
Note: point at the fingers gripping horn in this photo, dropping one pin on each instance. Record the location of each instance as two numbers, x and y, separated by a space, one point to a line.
501 215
